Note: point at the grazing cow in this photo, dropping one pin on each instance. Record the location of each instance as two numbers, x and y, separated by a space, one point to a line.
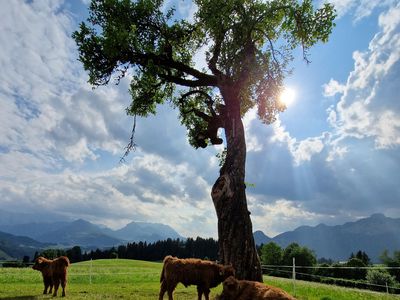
192 271
54 272
235 289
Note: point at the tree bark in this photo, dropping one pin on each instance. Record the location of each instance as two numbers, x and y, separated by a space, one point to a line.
235 233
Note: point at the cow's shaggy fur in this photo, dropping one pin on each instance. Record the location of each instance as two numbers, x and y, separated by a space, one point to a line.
235 289
54 273
192 271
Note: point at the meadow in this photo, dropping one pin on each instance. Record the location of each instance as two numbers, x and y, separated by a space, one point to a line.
132 279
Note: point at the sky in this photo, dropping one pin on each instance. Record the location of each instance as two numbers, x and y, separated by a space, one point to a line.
332 157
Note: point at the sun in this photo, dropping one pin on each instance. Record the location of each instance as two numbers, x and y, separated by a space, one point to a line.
287 96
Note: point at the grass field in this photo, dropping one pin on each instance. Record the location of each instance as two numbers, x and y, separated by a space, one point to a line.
130 279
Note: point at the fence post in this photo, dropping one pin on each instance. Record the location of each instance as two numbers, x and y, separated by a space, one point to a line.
294 276
387 289
90 271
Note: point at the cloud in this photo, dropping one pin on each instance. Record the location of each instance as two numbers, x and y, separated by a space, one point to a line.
48 108
332 88
359 8
369 105
289 213
304 150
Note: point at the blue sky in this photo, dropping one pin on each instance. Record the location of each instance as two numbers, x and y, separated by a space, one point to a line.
332 157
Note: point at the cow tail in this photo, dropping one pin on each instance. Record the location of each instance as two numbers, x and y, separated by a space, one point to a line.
165 261
162 273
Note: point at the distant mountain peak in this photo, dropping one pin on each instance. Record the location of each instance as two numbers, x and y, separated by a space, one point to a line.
144 231
377 216
372 235
261 238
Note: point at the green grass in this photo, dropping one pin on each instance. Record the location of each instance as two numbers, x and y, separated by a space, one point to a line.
130 279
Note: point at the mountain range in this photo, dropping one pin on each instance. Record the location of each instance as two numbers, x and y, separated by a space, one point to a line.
372 235
65 234
12 246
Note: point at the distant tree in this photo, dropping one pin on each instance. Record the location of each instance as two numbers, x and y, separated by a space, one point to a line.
271 254
121 251
392 262
324 260
338 271
303 257
324 270
25 259
113 253
358 271
74 254
53 253
380 277
249 45
363 256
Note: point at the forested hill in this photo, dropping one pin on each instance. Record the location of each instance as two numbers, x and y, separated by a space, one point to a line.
372 235
12 246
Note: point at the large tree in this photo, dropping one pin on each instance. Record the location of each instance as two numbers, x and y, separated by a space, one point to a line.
248 45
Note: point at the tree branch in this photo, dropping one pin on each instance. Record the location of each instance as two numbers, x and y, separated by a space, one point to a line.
131 145
203 79
213 61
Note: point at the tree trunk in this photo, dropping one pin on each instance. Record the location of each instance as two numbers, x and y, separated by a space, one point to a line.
235 233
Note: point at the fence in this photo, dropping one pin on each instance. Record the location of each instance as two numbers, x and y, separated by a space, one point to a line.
93 273
88 273
291 271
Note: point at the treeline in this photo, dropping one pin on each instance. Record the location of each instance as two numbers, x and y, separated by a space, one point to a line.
198 248
357 272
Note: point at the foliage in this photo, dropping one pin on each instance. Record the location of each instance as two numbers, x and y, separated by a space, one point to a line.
271 254
380 277
199 248
221 157
392 262
358 273
324 260
303 257
14 264
249 45
74 254
52 253
361 255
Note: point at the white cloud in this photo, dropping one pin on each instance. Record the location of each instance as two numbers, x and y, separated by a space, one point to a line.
281 215
360 8
332 88
336 152
304 150
368 107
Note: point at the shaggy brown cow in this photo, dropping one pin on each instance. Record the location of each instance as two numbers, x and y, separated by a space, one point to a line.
235 289
54 272
192 271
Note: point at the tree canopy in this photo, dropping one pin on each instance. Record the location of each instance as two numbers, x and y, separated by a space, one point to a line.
248 45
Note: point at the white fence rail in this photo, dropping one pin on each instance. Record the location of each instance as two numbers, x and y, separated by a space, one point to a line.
291 271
